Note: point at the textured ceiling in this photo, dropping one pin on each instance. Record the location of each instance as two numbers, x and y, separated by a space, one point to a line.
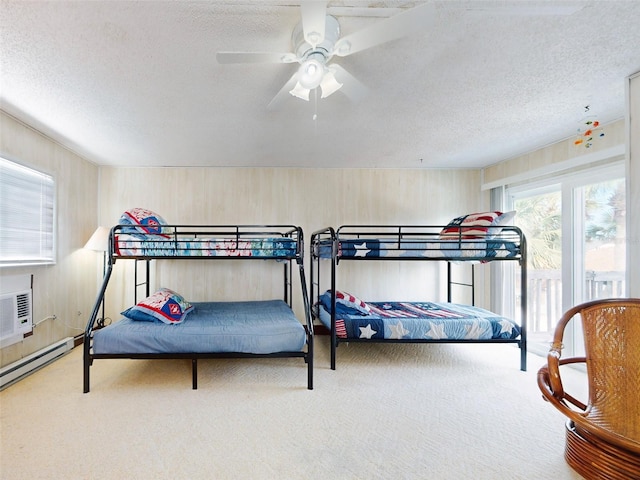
137 82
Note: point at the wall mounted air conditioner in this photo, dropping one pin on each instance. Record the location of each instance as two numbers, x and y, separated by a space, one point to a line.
16 317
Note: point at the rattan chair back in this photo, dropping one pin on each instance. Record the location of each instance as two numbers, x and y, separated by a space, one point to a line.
603 433
612 344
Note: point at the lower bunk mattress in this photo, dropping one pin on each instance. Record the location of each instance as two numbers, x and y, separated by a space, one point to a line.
422 321
258 327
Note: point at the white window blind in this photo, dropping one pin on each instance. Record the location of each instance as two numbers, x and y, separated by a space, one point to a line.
27 200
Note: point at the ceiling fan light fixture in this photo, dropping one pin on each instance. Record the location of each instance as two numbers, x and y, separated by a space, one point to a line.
310 73
329 84
300 92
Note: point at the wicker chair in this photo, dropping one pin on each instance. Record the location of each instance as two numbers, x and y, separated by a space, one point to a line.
603 435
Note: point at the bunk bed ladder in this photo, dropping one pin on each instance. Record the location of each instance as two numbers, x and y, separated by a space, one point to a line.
144 283
471 285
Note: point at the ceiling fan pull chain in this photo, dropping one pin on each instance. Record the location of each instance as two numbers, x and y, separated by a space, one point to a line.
315 112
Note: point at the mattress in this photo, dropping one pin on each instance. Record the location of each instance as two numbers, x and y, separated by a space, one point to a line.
259 327
133 245
414 247
422 320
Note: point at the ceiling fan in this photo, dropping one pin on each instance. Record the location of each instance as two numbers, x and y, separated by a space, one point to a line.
316 41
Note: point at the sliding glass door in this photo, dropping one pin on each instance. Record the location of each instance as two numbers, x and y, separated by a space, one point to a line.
575 229
539 215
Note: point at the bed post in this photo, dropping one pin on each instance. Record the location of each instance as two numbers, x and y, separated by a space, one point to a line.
449 282
523 302
307 315
334 262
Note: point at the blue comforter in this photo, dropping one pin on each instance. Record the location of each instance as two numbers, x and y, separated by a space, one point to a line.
243 327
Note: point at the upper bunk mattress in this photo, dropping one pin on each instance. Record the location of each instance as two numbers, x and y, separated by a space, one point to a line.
422 320
135 245
258 327
425 248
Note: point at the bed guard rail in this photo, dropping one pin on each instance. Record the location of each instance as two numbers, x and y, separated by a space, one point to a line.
389 242
278 242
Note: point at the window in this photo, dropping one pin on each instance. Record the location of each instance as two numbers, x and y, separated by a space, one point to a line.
27 199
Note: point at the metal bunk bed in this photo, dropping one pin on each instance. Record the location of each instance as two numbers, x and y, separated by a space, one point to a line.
413 243
282 243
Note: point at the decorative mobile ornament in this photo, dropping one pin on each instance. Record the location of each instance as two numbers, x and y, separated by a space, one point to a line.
588 130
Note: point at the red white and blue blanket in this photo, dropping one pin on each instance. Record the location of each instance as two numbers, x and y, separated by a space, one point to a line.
134 245
422 320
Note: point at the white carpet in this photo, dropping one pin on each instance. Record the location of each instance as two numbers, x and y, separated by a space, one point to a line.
388 412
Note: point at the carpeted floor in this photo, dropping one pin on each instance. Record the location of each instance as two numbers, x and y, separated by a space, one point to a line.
387 412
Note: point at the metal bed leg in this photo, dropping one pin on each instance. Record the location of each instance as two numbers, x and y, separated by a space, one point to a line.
87 364
523 358
333 354
194 373
86 376
310 366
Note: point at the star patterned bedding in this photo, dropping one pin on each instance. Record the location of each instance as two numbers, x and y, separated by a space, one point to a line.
477 236
421 320
425 248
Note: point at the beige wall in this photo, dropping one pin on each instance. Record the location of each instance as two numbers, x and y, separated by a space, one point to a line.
310 198
67 288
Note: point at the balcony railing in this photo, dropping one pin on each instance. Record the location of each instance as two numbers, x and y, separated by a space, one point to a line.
545 295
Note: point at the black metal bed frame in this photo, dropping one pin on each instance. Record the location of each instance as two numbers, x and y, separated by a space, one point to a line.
421 234
179 233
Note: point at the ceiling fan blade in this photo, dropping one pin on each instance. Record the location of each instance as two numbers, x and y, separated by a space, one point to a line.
351 86
313 21
404 24
255 57
284 92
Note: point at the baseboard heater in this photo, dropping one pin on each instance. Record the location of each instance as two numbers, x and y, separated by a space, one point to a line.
27 365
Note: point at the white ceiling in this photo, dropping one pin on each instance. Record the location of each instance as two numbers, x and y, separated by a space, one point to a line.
137 82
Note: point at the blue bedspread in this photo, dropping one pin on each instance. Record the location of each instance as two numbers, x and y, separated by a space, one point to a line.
243 327
375 248
422 320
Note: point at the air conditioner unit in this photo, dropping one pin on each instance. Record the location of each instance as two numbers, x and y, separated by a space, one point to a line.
16 317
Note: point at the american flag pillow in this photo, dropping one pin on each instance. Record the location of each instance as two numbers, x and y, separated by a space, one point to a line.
474 225
352 301
345 303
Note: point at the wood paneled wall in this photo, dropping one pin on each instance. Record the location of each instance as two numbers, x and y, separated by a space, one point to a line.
66 289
